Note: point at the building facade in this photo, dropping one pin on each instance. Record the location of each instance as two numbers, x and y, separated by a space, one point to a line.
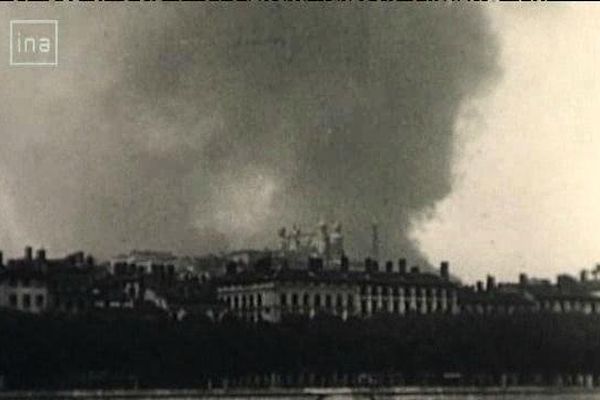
273 295
37 284
566 295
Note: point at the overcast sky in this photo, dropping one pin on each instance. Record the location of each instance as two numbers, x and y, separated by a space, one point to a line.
526 191
467 131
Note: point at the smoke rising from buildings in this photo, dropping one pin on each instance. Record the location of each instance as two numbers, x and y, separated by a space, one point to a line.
202 128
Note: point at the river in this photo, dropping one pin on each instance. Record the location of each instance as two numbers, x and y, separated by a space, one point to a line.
404 393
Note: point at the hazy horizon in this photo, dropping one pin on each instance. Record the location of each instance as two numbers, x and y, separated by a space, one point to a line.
465 130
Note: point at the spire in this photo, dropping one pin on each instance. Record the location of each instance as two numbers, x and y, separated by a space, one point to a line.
375 241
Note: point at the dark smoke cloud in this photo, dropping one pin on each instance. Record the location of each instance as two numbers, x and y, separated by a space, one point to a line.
198 128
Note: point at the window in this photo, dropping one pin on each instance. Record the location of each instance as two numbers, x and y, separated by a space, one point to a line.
26 301
283 299
339 300
363 290
328 300
306 299
12 282
13 300
373 306
26 283
39 301
363 306
259 300
295 299
317 300
350 301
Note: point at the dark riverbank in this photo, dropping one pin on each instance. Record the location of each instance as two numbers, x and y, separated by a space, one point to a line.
121 351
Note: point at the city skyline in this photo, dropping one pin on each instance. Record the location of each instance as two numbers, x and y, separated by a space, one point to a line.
157 131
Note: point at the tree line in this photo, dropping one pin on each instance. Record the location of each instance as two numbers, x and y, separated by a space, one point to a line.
63 352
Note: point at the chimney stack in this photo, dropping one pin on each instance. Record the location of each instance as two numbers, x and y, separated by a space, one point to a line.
523 280
41 255
28 253
315 264
583 275
231 268
445 270
345 264
375 241
402 266
1 259
479 286
368 264
389 267
414 270
491 283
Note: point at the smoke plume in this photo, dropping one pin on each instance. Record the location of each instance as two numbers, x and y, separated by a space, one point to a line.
198 128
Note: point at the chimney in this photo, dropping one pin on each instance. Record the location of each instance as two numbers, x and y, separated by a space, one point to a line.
583 275
414 270
368 264
402 266
491 283
315 264
389 267
523 280
445 270
41 255
28 253
345 264
375 266
375 241
479 286
231 268
1 259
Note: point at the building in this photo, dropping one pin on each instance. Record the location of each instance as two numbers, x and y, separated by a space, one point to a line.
273 294
566 295
325 242
143 262
25 291
494 300
37 285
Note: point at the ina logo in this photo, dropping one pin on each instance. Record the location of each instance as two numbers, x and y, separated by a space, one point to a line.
33 42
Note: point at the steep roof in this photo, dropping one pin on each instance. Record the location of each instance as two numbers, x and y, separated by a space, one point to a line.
335 277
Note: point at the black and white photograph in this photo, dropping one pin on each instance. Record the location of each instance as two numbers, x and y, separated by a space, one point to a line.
299 199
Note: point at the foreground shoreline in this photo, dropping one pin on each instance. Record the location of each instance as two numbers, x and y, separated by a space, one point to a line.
296 393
